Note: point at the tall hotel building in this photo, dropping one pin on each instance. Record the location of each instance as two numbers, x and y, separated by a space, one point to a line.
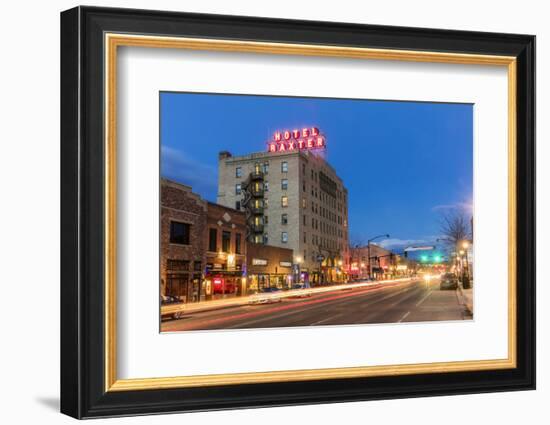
293 199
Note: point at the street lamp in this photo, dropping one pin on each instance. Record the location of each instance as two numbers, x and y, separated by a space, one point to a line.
466 245
368 250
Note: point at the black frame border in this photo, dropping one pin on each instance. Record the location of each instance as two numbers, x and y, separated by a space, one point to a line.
82 212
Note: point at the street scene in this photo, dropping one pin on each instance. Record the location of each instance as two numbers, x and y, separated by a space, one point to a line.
406 300
287 211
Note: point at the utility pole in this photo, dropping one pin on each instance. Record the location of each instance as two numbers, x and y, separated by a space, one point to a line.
368 251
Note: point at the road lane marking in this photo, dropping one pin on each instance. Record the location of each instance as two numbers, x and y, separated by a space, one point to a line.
404 317
424 298
326 320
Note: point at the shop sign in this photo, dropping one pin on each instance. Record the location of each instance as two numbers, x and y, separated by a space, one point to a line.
259 262
285 264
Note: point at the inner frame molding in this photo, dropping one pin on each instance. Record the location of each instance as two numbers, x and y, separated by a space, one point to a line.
114 40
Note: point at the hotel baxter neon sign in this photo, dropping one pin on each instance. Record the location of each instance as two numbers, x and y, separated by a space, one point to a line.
299 139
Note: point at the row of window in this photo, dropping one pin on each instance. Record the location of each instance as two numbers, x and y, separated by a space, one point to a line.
226 241
264 168
180 235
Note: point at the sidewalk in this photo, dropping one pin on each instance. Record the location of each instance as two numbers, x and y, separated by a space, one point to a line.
466 298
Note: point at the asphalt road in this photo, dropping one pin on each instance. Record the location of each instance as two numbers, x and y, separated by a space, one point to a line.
412 301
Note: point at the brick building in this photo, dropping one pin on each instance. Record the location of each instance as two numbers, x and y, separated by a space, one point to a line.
182 245
225 249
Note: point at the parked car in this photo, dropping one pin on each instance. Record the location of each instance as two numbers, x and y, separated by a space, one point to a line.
449 281
171 306
267 296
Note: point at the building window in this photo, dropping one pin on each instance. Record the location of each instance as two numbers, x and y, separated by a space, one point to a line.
284 184
305 222
304 203
238 189
213 240
266 202
177 265
305 238
303 168
266 239
284 167
265 219
266 186
265 167
284 218
284 237
179 232
304 186
284 201
238 172
238 243
197 266
258 239
238 205
226 241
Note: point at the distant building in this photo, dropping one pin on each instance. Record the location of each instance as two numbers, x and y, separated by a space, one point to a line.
382 264
292 199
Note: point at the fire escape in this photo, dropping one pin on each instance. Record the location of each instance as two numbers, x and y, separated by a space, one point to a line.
253 204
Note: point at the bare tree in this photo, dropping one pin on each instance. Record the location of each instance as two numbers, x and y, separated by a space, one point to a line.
455 227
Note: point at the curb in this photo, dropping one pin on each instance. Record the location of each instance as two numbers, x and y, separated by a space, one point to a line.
463 301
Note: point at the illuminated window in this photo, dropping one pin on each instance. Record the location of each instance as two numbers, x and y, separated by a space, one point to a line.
284 184
284 237
238 189
284 201
284 167
238 172
304 203
284 218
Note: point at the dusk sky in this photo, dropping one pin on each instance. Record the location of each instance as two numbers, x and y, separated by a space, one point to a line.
403 163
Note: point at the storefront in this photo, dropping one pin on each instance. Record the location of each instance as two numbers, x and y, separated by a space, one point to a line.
269 267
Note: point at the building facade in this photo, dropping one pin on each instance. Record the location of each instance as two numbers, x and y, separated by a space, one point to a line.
383 263
225 251
269 266
203 247
292 199
182 244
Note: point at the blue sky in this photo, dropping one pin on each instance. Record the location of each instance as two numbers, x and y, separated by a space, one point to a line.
404 163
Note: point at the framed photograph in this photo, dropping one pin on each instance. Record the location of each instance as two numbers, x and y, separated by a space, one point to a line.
261 212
